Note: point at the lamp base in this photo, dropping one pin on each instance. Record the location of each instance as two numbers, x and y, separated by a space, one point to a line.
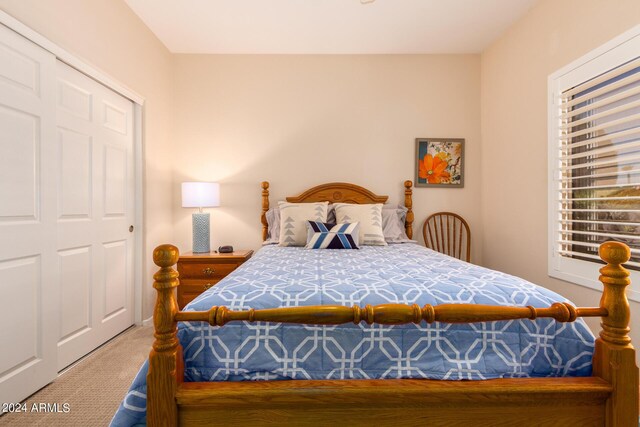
201 235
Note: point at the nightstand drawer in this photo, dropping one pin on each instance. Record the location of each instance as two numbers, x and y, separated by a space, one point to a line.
205 270
189 289
197 286
199 272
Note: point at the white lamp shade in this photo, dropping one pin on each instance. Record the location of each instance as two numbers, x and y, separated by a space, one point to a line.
200 194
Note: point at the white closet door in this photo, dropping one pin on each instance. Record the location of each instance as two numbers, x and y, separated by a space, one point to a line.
95 210
66 204
28 214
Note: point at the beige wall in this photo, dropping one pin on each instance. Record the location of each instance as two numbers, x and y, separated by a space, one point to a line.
298 121
514 131
109 35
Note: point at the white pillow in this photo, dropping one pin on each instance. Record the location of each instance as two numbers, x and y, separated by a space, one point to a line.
293 221
369 217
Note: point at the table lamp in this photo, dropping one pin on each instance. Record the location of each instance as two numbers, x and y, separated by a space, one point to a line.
200 195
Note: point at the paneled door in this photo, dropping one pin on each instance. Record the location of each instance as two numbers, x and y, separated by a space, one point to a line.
28 214
66 208
95 202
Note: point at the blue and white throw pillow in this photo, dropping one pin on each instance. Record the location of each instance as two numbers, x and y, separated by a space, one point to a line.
322 235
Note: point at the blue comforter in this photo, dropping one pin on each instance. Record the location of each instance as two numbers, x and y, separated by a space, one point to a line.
401 273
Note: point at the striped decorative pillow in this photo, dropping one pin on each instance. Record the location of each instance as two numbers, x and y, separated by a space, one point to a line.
321 235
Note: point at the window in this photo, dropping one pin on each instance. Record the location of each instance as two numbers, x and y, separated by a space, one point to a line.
594 161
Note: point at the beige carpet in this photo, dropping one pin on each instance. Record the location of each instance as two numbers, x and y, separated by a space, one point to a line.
94 387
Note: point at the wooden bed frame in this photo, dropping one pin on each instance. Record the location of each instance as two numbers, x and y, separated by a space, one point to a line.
608 398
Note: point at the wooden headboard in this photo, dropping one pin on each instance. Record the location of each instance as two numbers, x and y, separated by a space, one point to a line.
339 192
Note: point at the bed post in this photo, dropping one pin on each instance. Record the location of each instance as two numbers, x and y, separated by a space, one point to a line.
408 203
166 369
615 359
265 208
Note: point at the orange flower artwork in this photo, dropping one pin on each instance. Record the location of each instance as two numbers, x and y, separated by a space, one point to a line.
439 162
433 169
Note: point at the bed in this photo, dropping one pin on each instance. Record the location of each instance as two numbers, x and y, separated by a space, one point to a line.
535 354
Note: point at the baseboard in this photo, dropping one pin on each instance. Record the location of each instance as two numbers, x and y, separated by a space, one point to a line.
148 322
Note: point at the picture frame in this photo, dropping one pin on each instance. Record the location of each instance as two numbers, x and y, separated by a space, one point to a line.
439 162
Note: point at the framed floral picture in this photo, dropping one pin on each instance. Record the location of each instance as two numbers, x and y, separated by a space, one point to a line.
439 162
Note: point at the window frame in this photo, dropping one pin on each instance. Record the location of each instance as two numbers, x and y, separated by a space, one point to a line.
606 57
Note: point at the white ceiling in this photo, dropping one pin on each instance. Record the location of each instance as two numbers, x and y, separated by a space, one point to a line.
328 26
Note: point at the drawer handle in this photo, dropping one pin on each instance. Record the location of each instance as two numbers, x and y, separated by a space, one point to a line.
208 271
207 286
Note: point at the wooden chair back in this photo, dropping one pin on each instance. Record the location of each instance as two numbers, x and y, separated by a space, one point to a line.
448 233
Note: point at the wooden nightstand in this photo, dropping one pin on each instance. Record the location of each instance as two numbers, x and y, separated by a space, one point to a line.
199 272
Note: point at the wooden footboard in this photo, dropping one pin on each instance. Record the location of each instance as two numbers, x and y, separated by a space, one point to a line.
609 397
504 402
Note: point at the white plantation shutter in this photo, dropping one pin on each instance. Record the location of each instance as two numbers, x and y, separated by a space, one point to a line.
600 164
594 189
